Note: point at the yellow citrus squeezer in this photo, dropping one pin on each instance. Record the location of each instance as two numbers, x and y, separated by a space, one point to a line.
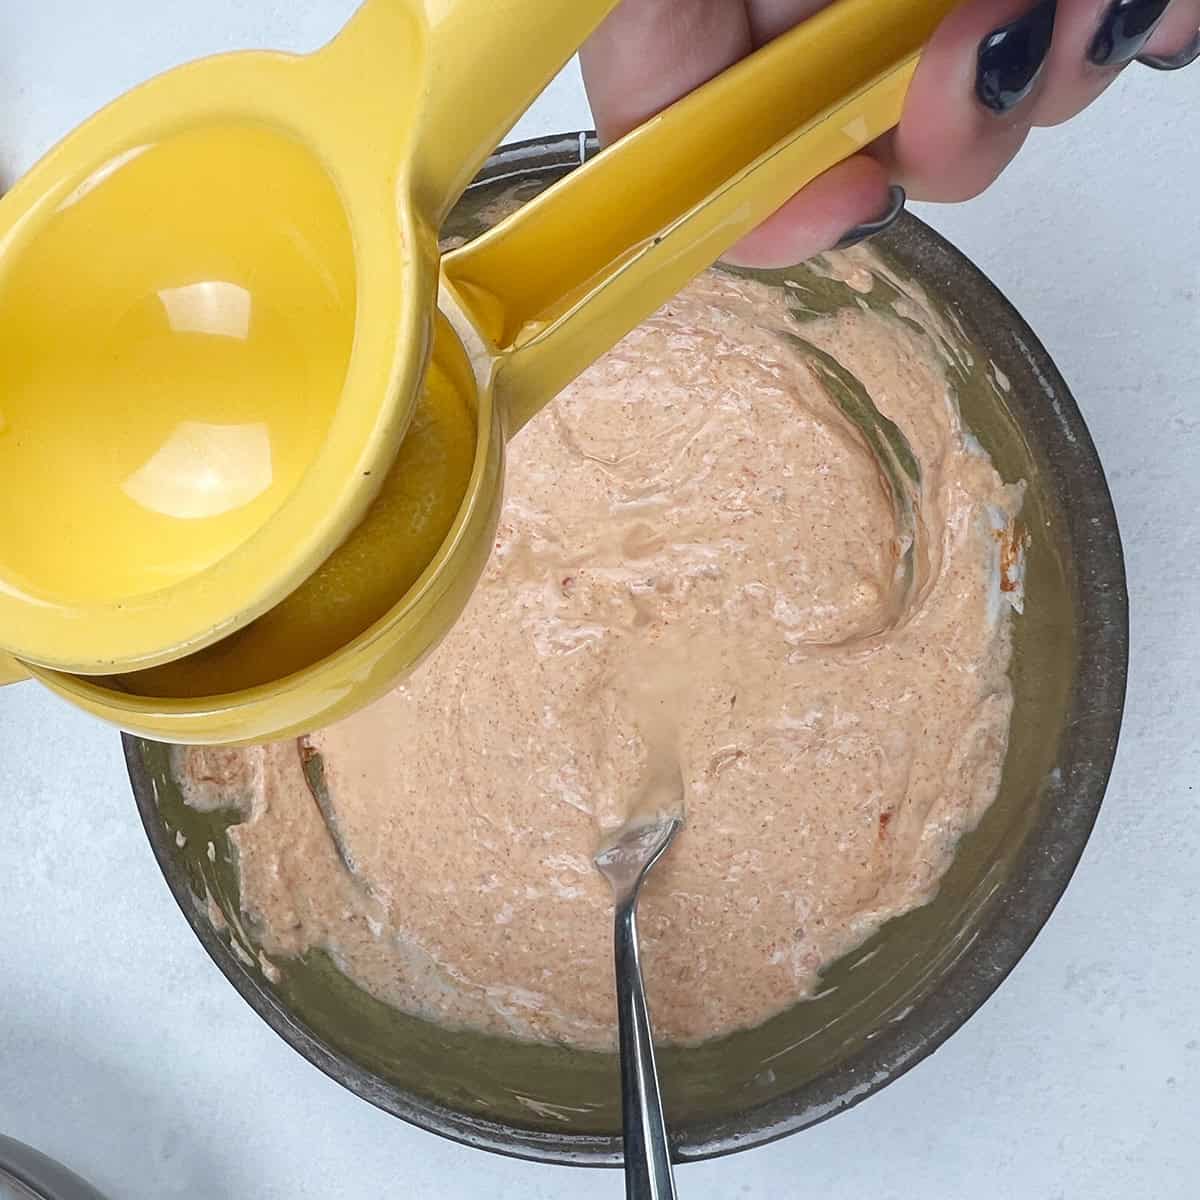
252 428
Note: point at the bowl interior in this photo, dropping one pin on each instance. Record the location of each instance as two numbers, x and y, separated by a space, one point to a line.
899 995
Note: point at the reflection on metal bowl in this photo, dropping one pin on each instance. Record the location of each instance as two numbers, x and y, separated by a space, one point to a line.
27 1174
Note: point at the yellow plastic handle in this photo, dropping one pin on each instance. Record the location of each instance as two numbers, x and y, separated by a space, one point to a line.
479 65
569 274
11 671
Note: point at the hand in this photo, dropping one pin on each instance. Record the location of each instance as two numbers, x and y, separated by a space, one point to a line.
993 70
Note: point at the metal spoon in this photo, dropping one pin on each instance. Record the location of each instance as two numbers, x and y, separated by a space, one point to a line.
625 861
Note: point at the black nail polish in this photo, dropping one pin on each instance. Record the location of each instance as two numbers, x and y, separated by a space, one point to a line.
1173 62
1011 58
1126 28
896 201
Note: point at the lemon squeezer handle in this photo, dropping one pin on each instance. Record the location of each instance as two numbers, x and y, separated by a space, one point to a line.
11 671
463 72
567 276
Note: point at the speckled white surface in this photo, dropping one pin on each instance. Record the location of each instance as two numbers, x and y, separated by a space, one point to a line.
124 1053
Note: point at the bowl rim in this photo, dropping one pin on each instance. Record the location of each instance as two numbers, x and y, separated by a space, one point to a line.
1024 900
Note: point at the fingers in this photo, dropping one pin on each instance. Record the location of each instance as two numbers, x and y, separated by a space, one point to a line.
1095 39
1073 81
1175 40
648 53
989 74
971 103
992 71
770 18
852 193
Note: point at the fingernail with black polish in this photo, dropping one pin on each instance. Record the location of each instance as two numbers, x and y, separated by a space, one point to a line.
1011 58
1173 62
896 201
1126 28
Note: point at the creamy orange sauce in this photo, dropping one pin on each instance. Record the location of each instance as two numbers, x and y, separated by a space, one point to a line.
700 557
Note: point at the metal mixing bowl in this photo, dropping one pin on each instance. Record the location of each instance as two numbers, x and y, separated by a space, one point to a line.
902 994
27 1174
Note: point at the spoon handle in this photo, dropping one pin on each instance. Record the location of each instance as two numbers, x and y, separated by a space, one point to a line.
647 1154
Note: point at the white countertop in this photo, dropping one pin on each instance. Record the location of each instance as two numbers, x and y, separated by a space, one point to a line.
124 1052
